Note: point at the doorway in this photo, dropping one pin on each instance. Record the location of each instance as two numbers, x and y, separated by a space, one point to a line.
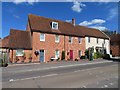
41 54
71 54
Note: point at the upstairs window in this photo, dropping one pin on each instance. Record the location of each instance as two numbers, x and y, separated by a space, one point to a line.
97 40
88 39
54 25
79 40
57 38
104 41
70 39
42 37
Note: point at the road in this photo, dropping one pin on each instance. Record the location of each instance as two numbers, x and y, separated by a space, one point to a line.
98 74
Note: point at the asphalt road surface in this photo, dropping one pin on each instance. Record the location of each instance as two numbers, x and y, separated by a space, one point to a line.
99 74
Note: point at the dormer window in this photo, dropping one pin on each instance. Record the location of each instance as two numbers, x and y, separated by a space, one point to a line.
54 25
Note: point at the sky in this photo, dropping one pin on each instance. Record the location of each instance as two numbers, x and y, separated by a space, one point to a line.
100 15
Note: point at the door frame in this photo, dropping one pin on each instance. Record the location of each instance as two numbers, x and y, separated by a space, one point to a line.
44 55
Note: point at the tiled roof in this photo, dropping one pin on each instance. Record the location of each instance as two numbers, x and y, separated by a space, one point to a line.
42 24
4 43
19 39
92 32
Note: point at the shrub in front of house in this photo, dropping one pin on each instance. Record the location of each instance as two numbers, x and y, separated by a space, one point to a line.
3 63
63 55
98 55
82 57
106 56
87 53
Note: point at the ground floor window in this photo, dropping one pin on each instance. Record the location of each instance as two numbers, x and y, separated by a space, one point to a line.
79 53
57 53
19 52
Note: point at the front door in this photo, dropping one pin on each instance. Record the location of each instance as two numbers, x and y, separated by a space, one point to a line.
71 54
41 55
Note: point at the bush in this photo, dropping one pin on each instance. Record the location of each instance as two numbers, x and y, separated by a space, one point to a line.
3 63
87 53
63 55
98 55
82 57
76 59
106 56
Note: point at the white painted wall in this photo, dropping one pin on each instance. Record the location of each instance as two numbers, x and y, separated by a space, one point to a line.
93 42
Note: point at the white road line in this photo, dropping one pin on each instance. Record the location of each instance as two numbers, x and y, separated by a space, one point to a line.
49 75
65 66
11 80
77 71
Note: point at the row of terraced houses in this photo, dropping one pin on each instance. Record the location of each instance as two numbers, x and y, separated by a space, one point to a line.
47 38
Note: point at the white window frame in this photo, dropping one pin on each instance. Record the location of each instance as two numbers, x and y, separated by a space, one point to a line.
57 40
79 52
56 24
79 40
40 37
97 40
88 39
104 41
21 53
70 39
57 54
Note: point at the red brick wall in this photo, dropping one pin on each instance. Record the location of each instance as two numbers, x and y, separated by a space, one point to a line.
50 46
115 50
27 55
75 46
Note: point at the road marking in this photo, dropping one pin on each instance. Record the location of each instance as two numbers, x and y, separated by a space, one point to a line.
63 66
49 75
11 80
111 83
105 85
77 70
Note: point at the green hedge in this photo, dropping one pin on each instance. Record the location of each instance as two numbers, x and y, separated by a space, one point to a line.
63 55
106 56
98 55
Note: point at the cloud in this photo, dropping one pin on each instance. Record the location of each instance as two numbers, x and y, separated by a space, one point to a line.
112 13
95 21
99 27
68 20
28 1
77 6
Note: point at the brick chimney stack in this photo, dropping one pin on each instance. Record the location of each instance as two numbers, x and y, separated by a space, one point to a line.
73 21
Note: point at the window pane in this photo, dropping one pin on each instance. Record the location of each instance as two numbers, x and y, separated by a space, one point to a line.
19 52
70 39
42 37
57 38
79 40
57 53
89 39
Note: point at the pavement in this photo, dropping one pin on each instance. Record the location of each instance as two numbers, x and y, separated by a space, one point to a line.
72 74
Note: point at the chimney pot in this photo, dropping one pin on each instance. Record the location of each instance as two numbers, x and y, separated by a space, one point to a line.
73 21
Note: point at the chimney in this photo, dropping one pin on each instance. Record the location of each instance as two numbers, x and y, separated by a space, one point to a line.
73 21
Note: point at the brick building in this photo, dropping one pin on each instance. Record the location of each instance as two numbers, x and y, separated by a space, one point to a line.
47 38
115 44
